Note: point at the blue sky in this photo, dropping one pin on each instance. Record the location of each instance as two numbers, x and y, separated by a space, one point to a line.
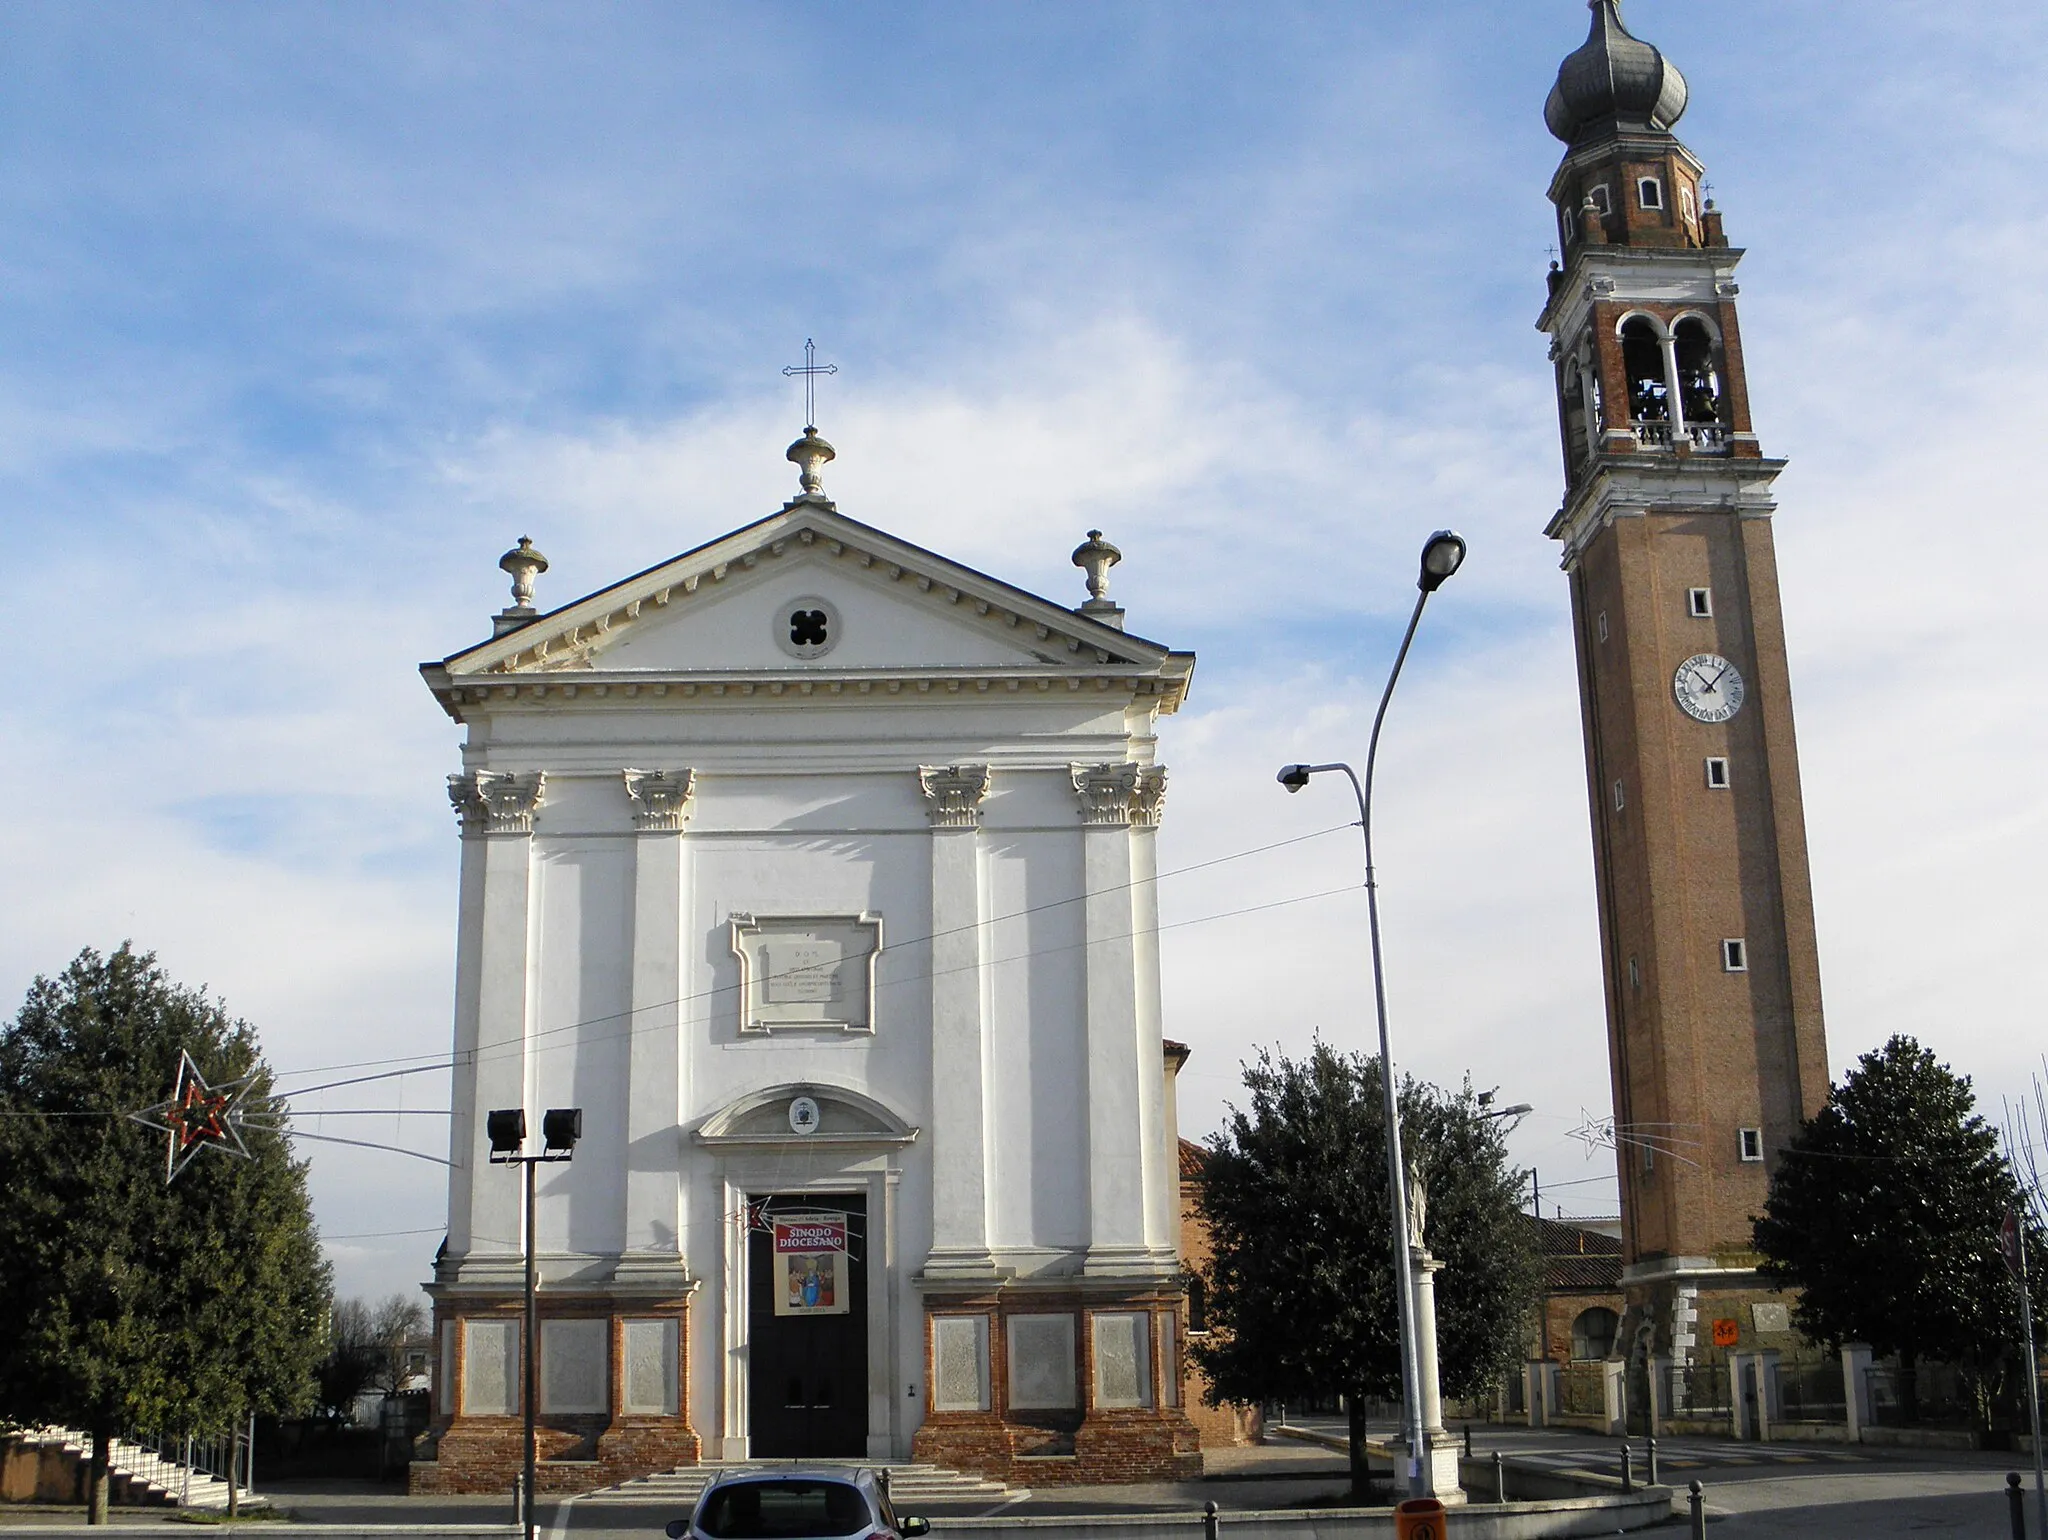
310 309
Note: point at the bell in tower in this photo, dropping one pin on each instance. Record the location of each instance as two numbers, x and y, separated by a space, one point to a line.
1715 1042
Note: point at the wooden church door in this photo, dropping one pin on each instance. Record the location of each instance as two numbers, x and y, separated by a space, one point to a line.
807 1329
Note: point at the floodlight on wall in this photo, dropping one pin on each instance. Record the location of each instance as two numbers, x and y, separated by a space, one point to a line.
560 1128
507 1131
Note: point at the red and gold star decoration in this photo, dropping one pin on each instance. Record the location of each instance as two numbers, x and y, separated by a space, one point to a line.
197 1116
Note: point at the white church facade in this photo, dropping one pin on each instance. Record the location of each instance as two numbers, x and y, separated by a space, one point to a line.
816 869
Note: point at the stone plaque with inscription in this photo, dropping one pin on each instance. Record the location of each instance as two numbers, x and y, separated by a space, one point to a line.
806 971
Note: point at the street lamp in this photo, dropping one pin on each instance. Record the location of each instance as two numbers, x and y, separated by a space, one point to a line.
560 1128
1442 554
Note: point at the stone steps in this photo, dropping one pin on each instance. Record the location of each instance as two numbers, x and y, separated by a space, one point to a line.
909 1484
155 1479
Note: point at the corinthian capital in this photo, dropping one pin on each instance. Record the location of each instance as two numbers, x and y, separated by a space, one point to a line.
953 794
660 798
1148 798
1105 792
497 801
1120 795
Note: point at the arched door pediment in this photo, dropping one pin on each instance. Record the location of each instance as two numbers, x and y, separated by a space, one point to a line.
845 1117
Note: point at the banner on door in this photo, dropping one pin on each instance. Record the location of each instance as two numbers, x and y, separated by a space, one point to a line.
810 1265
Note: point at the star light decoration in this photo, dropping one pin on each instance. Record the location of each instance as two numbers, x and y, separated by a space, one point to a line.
1666 1139
197 1116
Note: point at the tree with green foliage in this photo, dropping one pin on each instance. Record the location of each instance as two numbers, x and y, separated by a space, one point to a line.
132 1304
1884 1214
1300 1287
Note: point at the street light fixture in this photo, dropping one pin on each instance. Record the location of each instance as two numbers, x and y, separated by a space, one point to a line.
1442 554
560 1128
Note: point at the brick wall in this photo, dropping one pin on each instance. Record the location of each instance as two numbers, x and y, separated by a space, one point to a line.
464 1453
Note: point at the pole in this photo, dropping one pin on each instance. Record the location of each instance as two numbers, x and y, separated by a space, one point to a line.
1397 1174
527 1353
2033 1387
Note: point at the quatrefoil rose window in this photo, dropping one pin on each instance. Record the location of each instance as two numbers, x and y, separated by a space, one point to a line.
807 626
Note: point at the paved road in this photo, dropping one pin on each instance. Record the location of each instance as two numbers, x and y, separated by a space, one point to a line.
1753 1492
1813 1491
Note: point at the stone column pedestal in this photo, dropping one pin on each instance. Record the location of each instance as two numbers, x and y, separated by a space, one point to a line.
1856 1388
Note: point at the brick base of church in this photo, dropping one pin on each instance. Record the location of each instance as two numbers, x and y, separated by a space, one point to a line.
1100 1438
1109 1448
483 1453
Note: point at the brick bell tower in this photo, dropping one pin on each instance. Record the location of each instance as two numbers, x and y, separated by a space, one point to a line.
1713 980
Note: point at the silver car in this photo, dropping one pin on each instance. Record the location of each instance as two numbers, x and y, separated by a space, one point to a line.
816 1504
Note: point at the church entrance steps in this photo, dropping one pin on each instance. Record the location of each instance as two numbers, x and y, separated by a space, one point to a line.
909 1484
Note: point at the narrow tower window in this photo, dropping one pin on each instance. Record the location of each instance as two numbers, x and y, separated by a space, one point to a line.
1601 199
1717 774
1751 1143
1635 974
1578 421
1735 955
1602 626
1699 603
1650 193
1619 801
1685 205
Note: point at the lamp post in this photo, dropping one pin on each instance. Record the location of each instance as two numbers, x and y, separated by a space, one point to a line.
560 1128
1442 555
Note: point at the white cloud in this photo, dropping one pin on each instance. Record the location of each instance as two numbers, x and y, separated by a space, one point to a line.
312 322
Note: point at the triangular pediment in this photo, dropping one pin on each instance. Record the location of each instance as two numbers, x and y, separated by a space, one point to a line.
807 590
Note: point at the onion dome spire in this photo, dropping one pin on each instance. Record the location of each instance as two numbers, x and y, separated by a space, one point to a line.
1614 80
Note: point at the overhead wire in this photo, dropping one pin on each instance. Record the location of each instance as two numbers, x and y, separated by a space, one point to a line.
522 1045
450 1061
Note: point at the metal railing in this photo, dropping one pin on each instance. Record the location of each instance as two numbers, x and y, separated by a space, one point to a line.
1699 1391
1812 1392
172 1460
1942 1397
1582 1390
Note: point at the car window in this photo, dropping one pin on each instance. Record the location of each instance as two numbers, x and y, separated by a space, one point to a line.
783 1510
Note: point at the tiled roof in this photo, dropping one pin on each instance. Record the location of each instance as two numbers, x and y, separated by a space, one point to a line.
1194 1160
1576 1258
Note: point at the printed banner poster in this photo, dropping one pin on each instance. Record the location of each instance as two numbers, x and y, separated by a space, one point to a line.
810 1265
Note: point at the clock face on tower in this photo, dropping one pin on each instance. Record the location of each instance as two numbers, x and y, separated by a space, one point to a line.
1708 687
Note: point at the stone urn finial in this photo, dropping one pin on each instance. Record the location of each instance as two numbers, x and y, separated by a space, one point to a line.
811 454
1096 556
525 564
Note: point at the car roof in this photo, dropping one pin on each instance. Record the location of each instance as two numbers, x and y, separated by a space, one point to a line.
854 1475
